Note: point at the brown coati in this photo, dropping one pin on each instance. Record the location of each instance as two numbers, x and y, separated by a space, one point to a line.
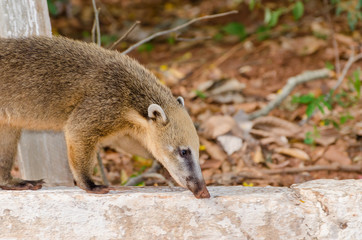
93 95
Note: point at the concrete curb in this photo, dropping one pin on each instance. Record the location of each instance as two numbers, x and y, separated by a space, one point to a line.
321 209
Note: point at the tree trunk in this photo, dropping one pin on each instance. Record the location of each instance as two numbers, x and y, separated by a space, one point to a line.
41 155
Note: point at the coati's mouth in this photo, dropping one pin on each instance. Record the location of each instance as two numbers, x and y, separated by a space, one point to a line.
197 187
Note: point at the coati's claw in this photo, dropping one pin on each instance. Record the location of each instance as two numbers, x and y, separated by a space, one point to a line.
99 189
24 185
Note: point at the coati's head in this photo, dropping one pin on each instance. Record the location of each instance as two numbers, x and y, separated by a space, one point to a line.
173 141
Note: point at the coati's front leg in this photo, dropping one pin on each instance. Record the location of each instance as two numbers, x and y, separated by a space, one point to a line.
9 138
81 155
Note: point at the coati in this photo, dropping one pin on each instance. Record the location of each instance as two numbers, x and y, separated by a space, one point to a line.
93 95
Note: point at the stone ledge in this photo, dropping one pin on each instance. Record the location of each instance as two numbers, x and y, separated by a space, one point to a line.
321 209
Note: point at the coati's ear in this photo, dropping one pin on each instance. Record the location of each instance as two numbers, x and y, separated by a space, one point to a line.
155 111
181 101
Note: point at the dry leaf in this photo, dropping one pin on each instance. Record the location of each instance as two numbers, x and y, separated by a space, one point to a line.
217 125
214 150
223 90
230 143
358 128
211 164
258 156
348 41
304 45
335 155
293 152
274 126
320 30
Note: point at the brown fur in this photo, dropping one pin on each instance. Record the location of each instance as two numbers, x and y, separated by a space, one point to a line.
90 93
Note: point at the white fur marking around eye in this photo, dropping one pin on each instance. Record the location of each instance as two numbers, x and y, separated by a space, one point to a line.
170 148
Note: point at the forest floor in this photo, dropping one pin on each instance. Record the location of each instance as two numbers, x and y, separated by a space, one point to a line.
223 79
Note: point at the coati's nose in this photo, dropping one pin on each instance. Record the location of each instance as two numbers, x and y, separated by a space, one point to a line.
197 187
204 193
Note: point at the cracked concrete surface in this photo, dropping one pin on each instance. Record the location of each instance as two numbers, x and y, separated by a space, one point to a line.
321 209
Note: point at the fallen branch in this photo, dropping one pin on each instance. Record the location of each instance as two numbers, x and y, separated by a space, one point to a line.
150 173
114 45
288 88
345 168
131 48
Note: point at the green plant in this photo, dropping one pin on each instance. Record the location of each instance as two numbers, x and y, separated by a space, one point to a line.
343 98
235 28
200 94
353 9
312 102
298 10
52 6
310 137
146 47
271 17
108 39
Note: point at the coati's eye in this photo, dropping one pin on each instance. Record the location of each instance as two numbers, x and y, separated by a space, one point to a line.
185 153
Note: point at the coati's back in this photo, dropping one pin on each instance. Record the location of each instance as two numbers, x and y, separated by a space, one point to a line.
92 94
45 78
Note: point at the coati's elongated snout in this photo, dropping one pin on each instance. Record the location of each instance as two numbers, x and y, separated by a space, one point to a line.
173 141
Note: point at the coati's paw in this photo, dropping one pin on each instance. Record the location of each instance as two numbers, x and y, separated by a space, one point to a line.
99 189
19 184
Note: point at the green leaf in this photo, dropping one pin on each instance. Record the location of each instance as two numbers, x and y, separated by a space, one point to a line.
218 36
263 33
329 65
274 17
352 21
320 106
200 94
52 8
304 99
267 15
326 103
171 40
108 39
310 109
235 28
309 139
146 47
335 1
141 184
343 119
252 4
298 10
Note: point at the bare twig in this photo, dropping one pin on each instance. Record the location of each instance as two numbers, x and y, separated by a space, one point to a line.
352 59
101 167
150 173
114 45
176 29
96 23
227 55
94 31
345 168
292 82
